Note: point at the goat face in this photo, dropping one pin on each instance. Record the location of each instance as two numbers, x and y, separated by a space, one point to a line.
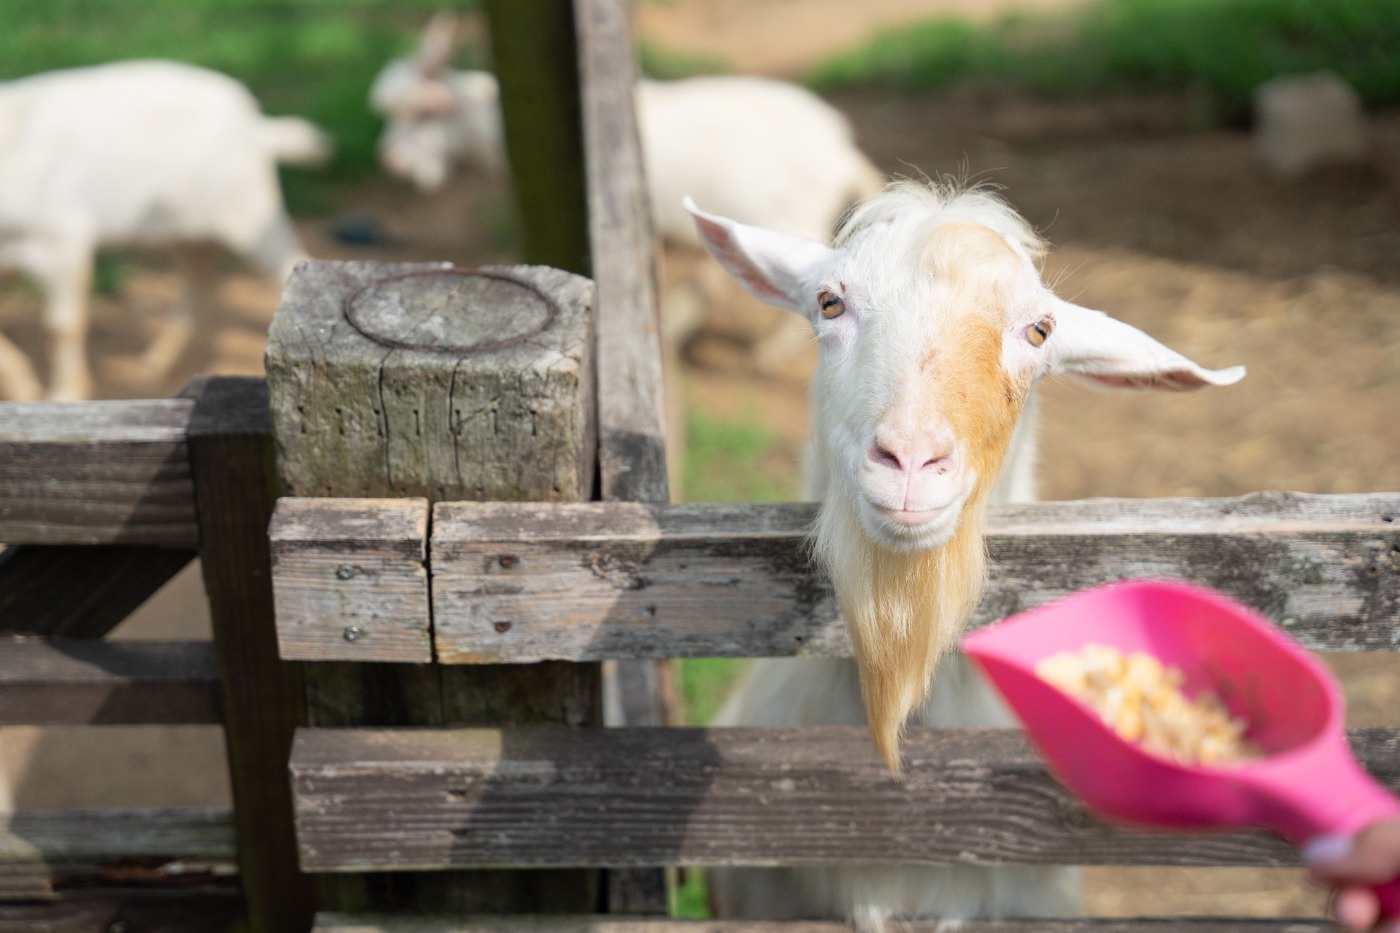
917 395
433 120
932 325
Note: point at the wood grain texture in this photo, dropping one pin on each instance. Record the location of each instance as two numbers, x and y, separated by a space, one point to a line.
46 854
418 799
81 591
522 582
356 416
344 923
631 413
109 472
349 579
68 682
235 482
631 405
115 912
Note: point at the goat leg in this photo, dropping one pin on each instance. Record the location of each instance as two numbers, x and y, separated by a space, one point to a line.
18 380
66 320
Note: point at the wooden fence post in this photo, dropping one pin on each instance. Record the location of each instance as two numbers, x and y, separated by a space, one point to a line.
235 487
427 381
533 50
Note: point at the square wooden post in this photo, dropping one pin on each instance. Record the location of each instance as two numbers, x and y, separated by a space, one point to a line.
433 382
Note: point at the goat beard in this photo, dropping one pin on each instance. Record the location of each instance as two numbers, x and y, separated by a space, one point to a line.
904 609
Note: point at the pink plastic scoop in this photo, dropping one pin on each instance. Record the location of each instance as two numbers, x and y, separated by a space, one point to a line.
1307 783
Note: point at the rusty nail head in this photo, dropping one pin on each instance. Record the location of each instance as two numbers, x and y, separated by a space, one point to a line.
344 572
353 633
502 627
508 560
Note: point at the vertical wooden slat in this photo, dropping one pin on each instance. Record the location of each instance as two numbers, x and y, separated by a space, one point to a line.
631 419
235 482
532 47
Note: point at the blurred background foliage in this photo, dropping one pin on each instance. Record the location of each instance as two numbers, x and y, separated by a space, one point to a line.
317 58
1224 47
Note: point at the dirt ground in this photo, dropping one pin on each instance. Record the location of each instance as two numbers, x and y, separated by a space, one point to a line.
1175 230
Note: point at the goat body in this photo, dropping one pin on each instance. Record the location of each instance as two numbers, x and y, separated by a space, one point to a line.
766 152
932 327
135 153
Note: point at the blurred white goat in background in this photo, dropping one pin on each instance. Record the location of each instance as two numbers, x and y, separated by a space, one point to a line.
135 153
765 152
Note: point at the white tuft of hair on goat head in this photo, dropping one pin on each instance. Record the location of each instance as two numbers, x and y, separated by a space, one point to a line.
933 326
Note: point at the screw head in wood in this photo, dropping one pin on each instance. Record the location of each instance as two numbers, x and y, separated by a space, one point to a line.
344 572
353 633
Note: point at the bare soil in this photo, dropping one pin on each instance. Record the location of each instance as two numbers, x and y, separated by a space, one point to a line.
1174 229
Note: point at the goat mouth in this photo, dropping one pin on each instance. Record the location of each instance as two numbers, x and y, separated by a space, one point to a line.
911 517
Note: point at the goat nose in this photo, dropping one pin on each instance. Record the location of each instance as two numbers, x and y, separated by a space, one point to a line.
911 458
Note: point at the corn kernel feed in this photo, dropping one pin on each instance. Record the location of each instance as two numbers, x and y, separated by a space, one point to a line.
1141 699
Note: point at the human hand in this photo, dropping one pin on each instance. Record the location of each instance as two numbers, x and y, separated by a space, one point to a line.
1352 866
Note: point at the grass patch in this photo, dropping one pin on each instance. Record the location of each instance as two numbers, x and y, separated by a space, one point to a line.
730 461
312 58
726 461
689 896
705 682
1227 47
667 64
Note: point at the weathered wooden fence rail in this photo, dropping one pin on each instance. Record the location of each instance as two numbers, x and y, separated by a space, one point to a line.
416 799
517 582
47 856
344 923
98 473
73 682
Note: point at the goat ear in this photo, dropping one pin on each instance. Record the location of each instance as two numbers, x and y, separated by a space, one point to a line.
771 266
437 43
1107 352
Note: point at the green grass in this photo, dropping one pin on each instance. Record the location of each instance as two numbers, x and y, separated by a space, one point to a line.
1226 47
666 64
726 462
313 58
688 895
704 684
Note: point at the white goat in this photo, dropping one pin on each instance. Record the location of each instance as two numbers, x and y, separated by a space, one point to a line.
764 152
932 326
138 153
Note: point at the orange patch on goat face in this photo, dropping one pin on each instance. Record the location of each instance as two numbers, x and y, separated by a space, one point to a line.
969 253
968 388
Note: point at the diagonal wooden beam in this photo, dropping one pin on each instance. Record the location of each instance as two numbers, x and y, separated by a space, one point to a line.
81 591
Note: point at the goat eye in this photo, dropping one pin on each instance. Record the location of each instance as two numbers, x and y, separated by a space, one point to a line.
831 305
1039 332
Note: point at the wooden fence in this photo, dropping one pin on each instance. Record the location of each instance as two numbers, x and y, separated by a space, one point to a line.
410 683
